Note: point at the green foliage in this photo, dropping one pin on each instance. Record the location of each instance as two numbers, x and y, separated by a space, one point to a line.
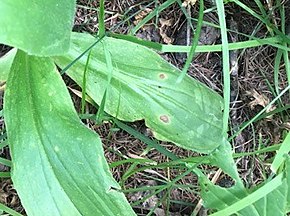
281 154
267 200
58 164
143 86
222 158
272 198
5 64
39 27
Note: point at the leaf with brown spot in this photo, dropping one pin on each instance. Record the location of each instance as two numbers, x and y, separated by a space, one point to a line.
143 86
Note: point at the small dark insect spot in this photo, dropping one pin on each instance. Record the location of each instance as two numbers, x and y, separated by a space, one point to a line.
112 189
159 87
162 76
164 118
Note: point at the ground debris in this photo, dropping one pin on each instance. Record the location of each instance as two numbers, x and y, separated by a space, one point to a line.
259 99
188 3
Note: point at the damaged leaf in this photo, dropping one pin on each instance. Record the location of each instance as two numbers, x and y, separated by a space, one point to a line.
143 86
259 99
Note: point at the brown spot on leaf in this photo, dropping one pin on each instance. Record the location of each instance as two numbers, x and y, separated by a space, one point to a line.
164 118
162 76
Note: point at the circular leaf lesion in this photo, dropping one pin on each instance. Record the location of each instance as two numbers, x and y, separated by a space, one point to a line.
164 119
162 76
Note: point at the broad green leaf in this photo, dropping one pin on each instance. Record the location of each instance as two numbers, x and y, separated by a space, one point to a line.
58 164
5 64
143 86
280 156
215 197
266 200
223 158
275 202
39 27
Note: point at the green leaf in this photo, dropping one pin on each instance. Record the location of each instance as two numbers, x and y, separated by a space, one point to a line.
287 174
8 210
275 202
5 64
39 27
143 86
270 198
58 164
267 199
223 158
280 156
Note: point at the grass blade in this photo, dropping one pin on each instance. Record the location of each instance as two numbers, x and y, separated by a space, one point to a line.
226 64
194 43
9 210
101 17
260 113
145 139
5 162
162 7
280 156
85 84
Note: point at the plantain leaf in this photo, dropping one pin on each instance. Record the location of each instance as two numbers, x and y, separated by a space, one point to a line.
5 64
143 86
222 157
270 198
58 164
39 27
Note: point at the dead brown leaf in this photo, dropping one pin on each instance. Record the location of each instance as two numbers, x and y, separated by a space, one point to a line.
259 99
188 2
140 16
164 24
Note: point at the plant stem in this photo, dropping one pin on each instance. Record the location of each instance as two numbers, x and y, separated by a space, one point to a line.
102 29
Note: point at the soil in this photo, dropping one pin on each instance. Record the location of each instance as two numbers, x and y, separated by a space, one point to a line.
252 72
